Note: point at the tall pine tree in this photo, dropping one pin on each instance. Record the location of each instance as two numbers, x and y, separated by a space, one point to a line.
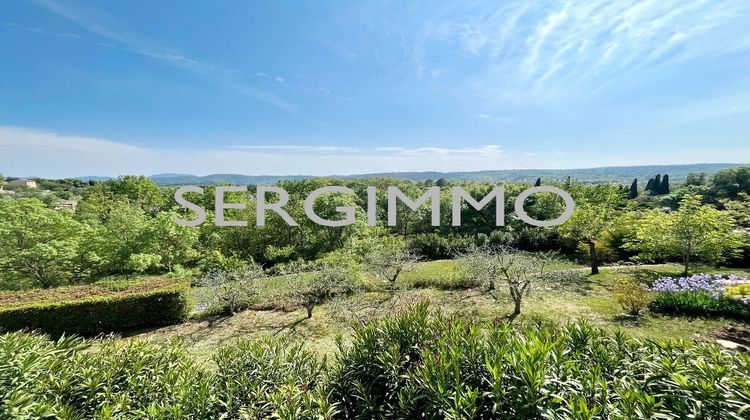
650 184
538 182
634 189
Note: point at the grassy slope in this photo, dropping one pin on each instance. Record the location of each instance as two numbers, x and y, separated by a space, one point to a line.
591 299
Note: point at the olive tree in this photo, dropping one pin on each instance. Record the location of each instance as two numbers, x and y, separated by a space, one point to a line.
311 284
490 267
232 289
387 258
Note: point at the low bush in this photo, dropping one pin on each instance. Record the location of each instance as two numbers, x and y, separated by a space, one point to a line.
701 295
632 296
415 364
700 303
95 309
436 246
73 378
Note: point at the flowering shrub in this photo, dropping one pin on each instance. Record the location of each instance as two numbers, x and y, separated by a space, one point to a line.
701 294
713 284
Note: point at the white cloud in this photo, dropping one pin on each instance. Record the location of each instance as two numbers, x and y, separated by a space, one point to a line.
545 51
299 149
483 116
32 152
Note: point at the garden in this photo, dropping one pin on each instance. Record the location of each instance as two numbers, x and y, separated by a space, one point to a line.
636 307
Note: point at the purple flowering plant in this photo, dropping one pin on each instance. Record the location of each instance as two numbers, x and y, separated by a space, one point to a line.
714 284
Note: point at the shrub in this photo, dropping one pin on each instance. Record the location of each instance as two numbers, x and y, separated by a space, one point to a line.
266 378
73 378
701 295
436 246
409 365
700 303
632 296
94 309
434 367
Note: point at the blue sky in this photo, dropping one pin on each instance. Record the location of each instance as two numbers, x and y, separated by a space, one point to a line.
334 87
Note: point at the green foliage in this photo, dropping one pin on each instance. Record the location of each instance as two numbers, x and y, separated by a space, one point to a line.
632 296
230 289
41 246
172 243
700 303
136 191
730 182
140 263
312 284
414 364
694 230
592 219
159 302
437 246
387 257
270 378
72 378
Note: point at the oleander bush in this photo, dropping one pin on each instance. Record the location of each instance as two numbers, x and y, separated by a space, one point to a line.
413 364
94 309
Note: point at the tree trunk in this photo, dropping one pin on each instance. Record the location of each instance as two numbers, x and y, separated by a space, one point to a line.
686 257
594 257
309 308
517 306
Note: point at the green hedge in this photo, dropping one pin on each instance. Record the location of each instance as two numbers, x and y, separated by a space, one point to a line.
700 303
163 305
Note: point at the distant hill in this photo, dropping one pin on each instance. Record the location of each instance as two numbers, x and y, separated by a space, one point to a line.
612 174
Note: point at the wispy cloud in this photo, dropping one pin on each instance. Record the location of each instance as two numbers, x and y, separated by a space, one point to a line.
41 31
26 152
300 149
543 51
33 152
105 26
480 152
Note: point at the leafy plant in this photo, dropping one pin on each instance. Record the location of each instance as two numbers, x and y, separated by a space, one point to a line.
632 296
413 364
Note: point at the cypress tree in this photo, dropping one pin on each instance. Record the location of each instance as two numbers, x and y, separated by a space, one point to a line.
538 182
650 184
656 187
664 187
634 189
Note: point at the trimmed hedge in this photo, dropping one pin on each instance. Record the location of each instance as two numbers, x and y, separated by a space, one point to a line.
163 304
700 304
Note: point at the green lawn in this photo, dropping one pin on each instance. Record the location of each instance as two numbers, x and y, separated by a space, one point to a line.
590 298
